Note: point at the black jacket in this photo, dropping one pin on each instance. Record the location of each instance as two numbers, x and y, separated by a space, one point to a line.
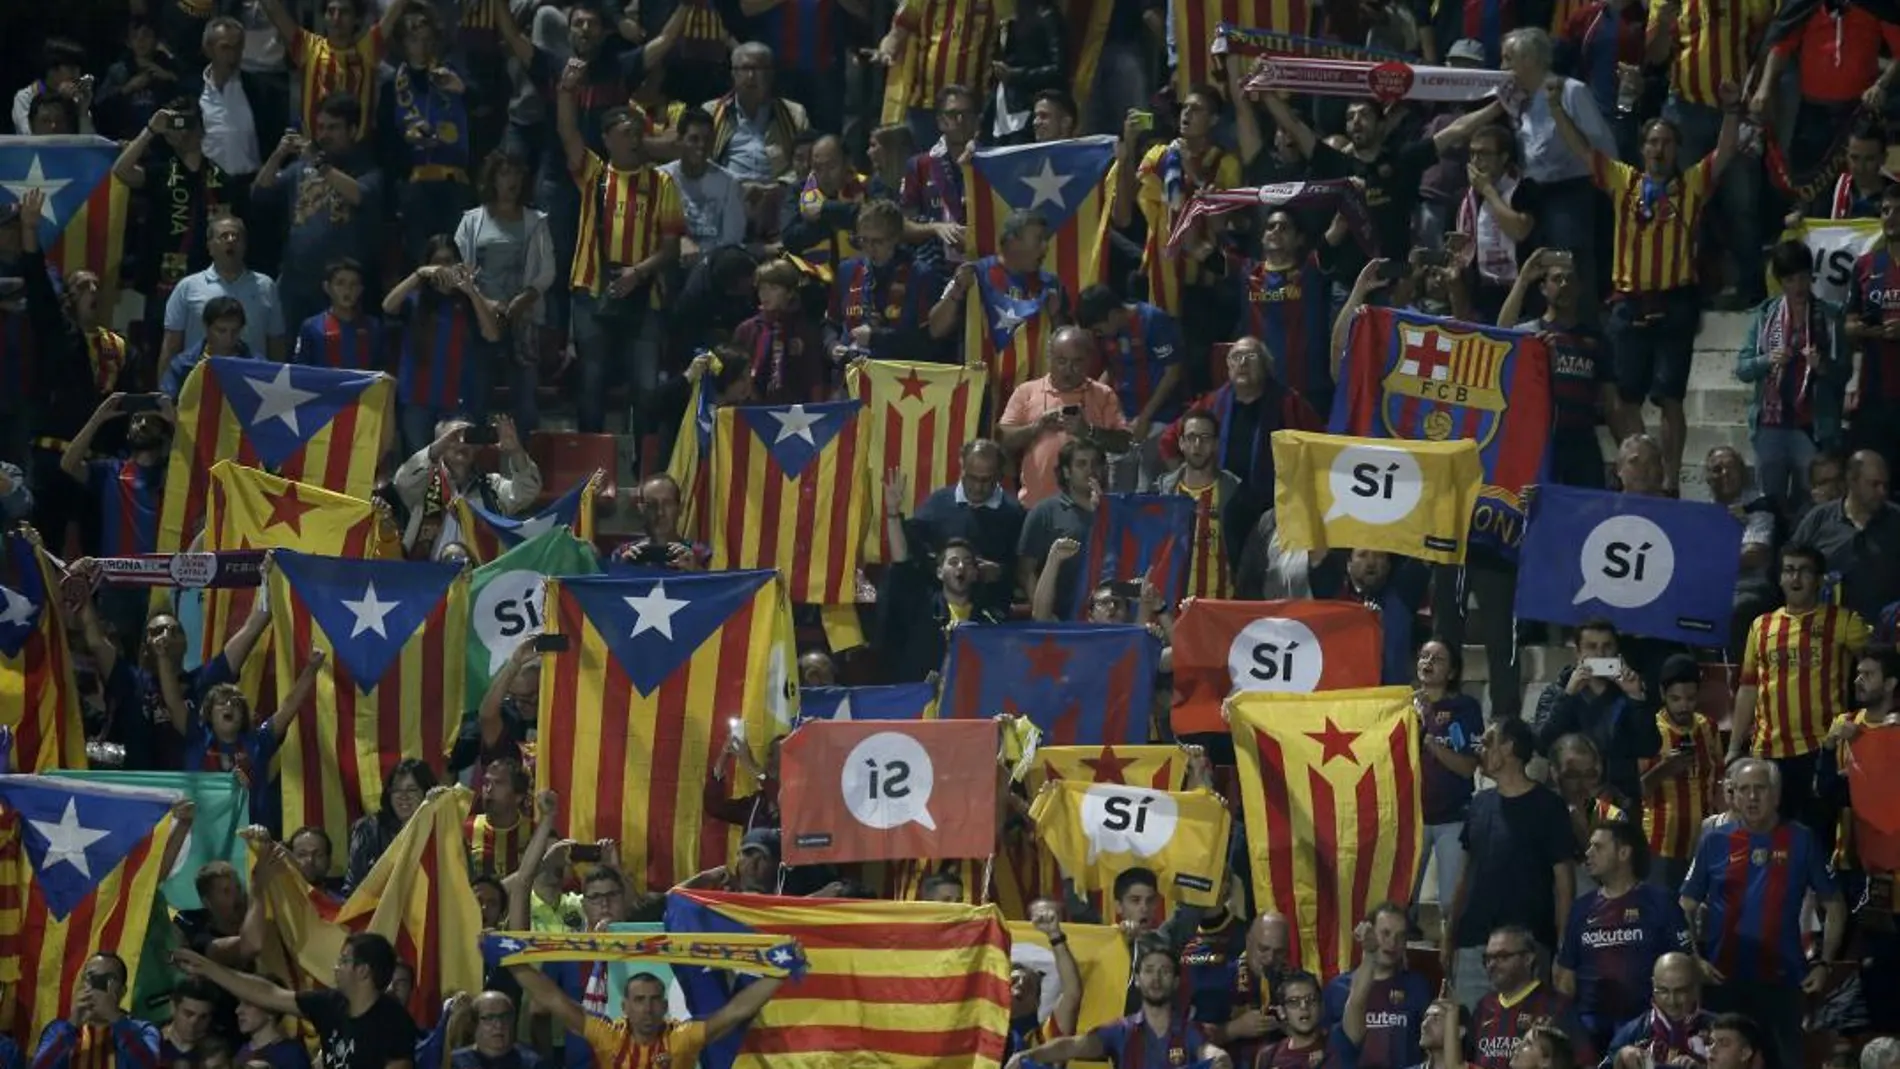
1034 46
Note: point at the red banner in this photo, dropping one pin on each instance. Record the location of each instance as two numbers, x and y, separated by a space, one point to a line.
1225 647
876 790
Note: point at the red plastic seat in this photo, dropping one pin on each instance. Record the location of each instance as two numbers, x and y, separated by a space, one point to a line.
1717 699
565 458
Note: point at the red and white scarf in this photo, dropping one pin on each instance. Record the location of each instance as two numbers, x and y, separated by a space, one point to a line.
1777 333
1496 252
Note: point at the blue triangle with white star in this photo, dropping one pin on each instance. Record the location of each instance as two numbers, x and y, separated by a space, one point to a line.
368 609
653 625
76 834
22 604
67 169
1002 313
796 434
511 531
1052 179
282 406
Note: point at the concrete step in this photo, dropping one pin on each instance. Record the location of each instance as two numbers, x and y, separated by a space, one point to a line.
1536 664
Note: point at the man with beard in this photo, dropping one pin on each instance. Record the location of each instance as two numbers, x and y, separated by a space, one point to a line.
1258 981
1027 1026
1518 1001
914 620
1676 1025
1393 1003
1617 932
1216 539
129 489
1155 1035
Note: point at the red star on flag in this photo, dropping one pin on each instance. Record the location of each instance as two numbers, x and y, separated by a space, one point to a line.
1107 767
1334 743
1048 658
288 509
913 385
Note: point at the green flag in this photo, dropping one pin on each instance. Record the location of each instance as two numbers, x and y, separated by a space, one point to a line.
505 598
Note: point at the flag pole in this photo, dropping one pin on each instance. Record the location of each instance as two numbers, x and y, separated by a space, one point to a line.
989 869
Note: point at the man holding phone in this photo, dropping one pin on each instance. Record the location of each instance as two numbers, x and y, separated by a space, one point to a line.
1044 414
445 469
1604 699
98 1023
662 545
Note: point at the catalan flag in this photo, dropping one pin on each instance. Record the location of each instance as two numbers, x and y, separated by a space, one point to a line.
39 703
1085 26
633 711
691 461
315 425
489 534
1097 831
395 634
83 224
1101 956
789 491
1161 768
1136 537
1197 22
1412 498
891 985
897 701
917 418
1079 683
80 869
1330 792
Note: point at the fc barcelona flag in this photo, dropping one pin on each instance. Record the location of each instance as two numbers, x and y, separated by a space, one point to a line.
1136 537
316 425
1299 646
634 708
82 227
1423 378
395 634
1330 790
1080 684
917 416
39 702
489 534
789 492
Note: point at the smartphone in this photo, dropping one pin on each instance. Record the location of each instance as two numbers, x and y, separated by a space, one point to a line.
1129 589
1562 257
1071 410
654 554
585 852
1431 257
1144 120
98 981
1686 746
550 644
178 123
735 728
139 402
482 435
1603 667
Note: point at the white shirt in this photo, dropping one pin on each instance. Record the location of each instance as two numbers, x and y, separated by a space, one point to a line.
1547 158
230 128
23 110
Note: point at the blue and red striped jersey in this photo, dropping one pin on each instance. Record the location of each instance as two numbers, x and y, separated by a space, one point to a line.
1500 1022
354 344
1612 944
130 496
897 295
1210 967
1292 312
804 34
1395 1012
1751 885
438 375
1138 355
1874 298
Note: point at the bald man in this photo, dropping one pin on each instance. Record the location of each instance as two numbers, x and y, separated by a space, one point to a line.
1257 976
820 232
494 1046
1676 1025
1044 414
1860 536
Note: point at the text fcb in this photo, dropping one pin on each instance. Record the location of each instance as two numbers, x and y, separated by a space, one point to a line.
1223 648
874 790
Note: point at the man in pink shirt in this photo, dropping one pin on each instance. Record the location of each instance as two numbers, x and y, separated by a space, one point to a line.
1043 414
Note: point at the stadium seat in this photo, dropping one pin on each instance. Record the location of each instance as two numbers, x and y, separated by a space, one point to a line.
1717 700
567 457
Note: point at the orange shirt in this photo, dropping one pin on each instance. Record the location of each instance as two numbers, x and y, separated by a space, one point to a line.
1654 247
1169 276
1715 43
324 69
1208 573
1673 808
1799 665
1100 408
1840 52
635 211
677 1046
951 42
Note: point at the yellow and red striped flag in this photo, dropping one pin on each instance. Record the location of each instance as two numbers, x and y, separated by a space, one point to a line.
395 635
39 702
251 509
61 903
488 535
790 490
417 896
1330 789
917 418
316 425
691 462
1085 27
899 985
634 709
1198 22
1101 956
82 226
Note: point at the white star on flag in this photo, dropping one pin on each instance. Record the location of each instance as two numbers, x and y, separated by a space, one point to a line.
1047 185
14 608
278 399
371 613
844 709
36 179
781 956
536 525
511 945
67 840
655 611
1007 321
795 422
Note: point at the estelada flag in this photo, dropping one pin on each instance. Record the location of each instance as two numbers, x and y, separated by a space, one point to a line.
1874 793
789 487
1163 768
39 700
1097 831
1078 683
1421 378
1300 645
395 635
634 711
690 463
871 791
1137 537
1330 788
82 227
321 426
917 417
895 701
489 534
1410 498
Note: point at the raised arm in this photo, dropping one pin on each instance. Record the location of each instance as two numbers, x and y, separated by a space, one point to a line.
244 987
1305 141
1460 129
567 116
549 997
741 1008
297 697
286 28
520 883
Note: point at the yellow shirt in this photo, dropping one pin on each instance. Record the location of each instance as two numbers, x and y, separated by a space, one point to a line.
678 1045
1169 275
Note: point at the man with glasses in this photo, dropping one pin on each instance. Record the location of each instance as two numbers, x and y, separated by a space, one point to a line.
974 509
1250 407
358 1024
1676 1025
1217 539
494 1046
1519 1000
754 131
933 181
888 304
1795 665
1744 899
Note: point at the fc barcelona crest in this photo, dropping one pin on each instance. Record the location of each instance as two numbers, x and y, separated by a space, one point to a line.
1444 385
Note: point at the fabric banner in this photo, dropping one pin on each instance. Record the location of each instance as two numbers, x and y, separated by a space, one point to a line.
1387 82
507 600
1101 957
1230 40
1097 831
222 808
185 571
83 225
918 418
864 791
1422 378
1223 648
1333 196
896 701
1410 498
1136 538
755 955
1080 683
1652 566
39 698
789 486
487 535
1874 794
1836 244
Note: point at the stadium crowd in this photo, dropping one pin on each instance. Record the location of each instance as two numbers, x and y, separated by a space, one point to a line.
539 215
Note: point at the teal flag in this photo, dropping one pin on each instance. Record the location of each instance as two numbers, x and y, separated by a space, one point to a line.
223 808
619 972
505 598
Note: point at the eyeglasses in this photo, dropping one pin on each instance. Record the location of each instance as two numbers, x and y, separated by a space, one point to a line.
1197 436
1303 1002
494 1018
1492 959
405 792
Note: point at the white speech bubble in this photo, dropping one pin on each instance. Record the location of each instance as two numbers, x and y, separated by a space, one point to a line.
1276 654
1128 820
509 611
887 782
1627 561
1374 484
